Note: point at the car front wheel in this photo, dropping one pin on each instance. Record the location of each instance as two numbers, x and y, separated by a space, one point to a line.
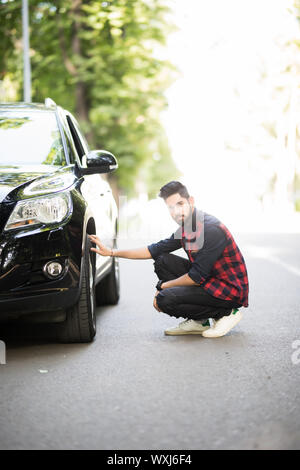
80 324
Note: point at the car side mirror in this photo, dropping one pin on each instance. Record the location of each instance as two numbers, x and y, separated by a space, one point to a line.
98 161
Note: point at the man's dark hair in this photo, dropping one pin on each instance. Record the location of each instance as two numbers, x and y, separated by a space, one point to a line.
172 188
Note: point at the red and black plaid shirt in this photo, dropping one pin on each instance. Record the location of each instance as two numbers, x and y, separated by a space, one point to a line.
217 264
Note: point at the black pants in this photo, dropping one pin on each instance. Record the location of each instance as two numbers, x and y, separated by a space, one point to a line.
190 301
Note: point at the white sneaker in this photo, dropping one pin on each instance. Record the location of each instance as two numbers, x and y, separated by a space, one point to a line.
224 325
189 327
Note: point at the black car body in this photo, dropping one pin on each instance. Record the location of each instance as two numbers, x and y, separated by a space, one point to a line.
52 195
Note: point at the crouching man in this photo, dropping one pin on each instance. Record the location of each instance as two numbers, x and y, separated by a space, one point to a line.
209 287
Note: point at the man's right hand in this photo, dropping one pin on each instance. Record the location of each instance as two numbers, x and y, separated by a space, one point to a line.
135 253
102 249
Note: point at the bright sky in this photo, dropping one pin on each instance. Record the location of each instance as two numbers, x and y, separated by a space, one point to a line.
221 49
231 55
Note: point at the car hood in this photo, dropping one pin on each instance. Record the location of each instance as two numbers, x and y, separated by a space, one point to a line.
23 182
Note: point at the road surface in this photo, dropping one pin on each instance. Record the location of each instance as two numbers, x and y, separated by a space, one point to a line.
134 388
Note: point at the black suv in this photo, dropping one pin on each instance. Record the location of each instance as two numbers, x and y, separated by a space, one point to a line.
52 195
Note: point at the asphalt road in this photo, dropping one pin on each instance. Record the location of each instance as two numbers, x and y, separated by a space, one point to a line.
134 388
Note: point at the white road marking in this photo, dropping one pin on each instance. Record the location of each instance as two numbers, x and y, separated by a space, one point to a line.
266 253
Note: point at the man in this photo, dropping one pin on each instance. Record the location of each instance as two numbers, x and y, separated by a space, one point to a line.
211 284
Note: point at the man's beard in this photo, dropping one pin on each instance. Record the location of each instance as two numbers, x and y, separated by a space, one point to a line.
182 219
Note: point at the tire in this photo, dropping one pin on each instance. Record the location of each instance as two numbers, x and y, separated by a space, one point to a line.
80 324
108 290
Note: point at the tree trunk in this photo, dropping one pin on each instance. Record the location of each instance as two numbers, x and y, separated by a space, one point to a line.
81 100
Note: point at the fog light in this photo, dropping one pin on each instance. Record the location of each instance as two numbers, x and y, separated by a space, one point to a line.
53 269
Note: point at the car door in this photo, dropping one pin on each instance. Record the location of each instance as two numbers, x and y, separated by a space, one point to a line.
97 192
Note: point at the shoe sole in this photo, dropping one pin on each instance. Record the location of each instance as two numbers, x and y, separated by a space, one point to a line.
227 331
184 333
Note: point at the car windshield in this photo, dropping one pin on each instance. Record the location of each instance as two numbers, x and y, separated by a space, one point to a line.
30 138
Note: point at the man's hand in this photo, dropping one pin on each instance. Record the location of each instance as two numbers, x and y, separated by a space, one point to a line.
155 302
102 249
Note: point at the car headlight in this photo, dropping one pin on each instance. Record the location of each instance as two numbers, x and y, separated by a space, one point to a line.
45 210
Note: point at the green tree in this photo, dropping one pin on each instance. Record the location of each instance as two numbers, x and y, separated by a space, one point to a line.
97 59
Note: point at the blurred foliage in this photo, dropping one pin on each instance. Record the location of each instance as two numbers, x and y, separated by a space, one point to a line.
8 123
296 182
97 59
56 154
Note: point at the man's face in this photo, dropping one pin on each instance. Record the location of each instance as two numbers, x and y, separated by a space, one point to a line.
179 207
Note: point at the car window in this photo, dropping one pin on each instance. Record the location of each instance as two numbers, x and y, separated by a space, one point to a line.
70 150
30 138
70 146
82 138
79 140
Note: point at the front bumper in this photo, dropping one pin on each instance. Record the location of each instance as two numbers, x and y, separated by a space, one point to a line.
25 290
38 306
